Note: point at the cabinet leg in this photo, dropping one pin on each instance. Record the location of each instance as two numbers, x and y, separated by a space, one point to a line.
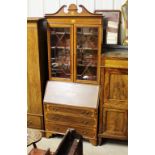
99 140
93 142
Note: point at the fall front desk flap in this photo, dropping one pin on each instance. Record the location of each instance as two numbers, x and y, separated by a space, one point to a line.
73 94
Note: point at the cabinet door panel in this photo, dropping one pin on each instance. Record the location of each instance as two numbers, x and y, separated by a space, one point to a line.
115 123
35 122
60 52
33 70
87 50
116 84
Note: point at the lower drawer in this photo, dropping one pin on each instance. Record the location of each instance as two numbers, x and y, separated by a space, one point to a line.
35 122
57 128
83 112
69 120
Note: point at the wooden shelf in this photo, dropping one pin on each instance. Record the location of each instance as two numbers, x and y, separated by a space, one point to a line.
60 47
82 65
87 48
92 34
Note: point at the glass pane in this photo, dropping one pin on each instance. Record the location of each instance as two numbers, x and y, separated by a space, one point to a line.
60 52
87 53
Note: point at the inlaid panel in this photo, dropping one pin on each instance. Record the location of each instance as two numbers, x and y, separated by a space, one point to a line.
116 84
115 122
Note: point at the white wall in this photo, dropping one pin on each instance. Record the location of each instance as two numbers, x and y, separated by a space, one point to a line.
37 8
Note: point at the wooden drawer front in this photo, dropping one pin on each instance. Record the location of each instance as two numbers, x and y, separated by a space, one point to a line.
34 122
70 111
69 120
114 63
85 132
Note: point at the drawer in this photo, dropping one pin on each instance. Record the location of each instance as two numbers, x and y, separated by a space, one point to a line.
35 122
85 132
69 120
115 63
72 111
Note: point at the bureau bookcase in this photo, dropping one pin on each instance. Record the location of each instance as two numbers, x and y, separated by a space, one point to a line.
74 43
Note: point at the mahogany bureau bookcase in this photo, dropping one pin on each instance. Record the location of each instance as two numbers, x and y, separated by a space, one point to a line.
71 105
113 119
37 72
74 42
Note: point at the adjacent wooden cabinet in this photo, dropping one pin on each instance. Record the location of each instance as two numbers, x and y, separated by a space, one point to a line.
113 121
37 73
74 45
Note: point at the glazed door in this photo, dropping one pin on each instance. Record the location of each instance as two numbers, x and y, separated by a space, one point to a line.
60 52
87 49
